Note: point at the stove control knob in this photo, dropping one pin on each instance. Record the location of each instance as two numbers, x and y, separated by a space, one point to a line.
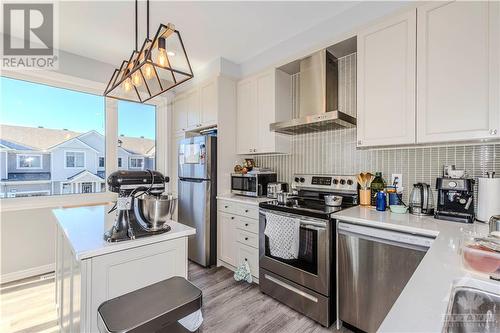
335 181
342 182
302 179
349 182
296 179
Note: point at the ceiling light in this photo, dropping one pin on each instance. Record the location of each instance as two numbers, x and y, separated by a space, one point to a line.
150 70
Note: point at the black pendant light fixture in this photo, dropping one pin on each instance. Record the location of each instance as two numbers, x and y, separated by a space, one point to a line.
160 65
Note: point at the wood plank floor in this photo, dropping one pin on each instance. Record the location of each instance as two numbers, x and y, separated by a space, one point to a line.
228 306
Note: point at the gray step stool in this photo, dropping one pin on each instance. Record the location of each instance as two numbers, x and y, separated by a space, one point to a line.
155 308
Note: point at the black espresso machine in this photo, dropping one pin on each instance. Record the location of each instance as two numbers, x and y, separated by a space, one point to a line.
455 199
140 197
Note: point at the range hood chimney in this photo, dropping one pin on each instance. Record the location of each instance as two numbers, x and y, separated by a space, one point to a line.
318 102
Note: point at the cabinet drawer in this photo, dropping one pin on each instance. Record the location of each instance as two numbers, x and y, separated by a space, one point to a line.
248 238
251 255
228 207
249 211
247 224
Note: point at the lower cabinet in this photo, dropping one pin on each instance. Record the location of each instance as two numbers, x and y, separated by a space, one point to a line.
238 236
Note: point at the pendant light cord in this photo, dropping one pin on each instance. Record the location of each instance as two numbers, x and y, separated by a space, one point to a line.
136 30
147 18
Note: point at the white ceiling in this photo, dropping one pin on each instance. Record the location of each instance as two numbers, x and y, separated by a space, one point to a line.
237 31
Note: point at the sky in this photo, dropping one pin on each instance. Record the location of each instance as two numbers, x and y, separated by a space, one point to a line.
29 104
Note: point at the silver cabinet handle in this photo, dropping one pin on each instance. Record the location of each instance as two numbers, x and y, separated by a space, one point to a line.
360 142
493 131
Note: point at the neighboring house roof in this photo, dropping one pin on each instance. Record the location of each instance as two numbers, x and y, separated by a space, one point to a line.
83 173
13 145
35 138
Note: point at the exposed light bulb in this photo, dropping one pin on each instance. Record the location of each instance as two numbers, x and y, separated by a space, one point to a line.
171 53
148 71
127 84
162 57
136 78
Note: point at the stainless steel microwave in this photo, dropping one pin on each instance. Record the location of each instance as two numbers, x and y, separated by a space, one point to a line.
252 184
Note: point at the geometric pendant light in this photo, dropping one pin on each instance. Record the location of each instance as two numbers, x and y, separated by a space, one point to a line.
160 65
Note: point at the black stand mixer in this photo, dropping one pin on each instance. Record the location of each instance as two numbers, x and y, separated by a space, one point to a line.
141 208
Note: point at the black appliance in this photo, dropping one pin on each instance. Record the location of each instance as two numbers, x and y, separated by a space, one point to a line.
252 184
307 284
455 199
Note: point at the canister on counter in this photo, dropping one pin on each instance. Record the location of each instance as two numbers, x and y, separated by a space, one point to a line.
393 195
381 201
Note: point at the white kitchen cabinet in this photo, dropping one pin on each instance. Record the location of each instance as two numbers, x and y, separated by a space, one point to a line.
238 235
386 82
263 99
179 115
193 113
208 103
458 71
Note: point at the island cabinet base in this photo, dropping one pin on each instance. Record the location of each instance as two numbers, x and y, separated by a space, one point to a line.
82 285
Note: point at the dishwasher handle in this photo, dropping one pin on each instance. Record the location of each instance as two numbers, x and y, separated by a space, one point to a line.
391 237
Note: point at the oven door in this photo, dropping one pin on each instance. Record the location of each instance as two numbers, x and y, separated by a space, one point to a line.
244 185
312 267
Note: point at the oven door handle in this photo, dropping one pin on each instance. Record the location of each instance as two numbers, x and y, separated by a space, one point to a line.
308 223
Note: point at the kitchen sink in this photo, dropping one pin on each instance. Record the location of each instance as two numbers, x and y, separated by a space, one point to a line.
472 310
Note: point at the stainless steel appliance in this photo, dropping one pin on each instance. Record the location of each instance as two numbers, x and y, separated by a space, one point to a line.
133 219
421 200
306 284
274 188
197 189
455 199
318 109
252 184
374 266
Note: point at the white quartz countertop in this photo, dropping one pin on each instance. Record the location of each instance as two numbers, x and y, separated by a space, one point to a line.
84 228
242 199
423 303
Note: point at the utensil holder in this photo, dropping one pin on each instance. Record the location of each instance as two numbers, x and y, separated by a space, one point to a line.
365 197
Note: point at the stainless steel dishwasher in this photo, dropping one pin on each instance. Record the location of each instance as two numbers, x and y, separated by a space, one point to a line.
374 266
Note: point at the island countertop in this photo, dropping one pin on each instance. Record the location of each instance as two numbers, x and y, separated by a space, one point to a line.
84 228
422 305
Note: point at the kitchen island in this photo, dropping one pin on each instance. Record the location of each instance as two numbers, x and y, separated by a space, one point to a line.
422 305
90 270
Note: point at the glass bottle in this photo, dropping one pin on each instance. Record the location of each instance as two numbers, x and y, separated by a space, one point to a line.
378 184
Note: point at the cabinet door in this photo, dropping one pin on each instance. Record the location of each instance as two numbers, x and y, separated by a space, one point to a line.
227 238
208 103
458 71
193 105
265 88
386 82
180 115
247 136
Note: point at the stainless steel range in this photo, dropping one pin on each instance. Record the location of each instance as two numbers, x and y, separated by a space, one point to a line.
304 278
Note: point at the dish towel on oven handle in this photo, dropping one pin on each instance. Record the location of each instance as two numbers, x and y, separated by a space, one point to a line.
284 235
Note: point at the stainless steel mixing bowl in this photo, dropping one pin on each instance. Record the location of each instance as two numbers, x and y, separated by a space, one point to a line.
157 209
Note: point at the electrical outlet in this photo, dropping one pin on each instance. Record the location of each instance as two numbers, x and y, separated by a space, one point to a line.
397 179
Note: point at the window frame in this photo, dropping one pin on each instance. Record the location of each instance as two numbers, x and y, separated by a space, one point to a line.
137 158
75 151
103 162
119 162
71 82
18 161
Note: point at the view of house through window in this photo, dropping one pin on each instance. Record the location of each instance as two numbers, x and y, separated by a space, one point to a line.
52 140
136 136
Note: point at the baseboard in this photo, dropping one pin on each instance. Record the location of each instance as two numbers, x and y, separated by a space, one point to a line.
9 277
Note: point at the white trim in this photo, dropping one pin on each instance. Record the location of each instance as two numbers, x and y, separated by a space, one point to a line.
75 151
19 275
81 174
136 158
25 182
18 158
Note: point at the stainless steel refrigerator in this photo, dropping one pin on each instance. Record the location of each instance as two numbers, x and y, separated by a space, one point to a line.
197 190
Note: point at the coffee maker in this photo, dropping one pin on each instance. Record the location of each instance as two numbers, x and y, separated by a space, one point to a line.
455 199
135 189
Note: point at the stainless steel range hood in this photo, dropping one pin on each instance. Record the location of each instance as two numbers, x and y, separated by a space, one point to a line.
318 98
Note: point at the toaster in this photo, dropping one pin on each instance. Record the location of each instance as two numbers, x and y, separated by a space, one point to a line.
274 188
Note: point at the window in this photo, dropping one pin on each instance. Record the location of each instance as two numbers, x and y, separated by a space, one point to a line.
137 141
75 159
119 162
50 136
136 163
29 161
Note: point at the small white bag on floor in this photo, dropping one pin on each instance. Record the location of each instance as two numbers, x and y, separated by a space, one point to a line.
193 321
243 273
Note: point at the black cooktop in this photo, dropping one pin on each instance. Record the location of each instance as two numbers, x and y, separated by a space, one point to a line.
305 206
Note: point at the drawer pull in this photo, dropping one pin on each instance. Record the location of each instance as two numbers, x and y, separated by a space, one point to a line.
246 238
226 206
246 259
232 217
246 210
246 224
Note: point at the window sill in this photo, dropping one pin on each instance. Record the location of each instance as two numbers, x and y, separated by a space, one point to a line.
13 204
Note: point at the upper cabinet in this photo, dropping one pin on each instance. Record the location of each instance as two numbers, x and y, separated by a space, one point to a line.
386 82
458 71
262 100
196 108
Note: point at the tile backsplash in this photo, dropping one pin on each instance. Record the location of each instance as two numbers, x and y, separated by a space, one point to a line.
334 151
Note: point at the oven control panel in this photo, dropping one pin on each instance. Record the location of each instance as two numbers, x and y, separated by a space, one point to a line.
326 182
